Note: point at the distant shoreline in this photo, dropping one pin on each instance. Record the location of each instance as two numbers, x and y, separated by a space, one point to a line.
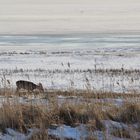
73 33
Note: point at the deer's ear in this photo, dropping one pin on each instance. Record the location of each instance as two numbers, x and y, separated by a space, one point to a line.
40 84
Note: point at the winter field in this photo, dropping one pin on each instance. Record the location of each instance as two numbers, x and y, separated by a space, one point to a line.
104 62
91 82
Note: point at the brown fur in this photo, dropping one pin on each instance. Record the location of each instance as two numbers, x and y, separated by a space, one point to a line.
27 85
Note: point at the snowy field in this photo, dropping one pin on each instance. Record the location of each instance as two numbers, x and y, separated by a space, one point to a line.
72 61
102 62
91 45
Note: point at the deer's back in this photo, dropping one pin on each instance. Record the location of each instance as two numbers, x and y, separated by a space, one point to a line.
26 85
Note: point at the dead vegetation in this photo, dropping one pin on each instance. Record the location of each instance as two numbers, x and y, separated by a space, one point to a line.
22 117
121 133
129 114
91 94
41 135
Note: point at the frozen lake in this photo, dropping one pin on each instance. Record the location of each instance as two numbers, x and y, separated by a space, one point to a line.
70 60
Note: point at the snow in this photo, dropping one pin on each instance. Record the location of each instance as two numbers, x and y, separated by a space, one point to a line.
23 100
80 100
110 125
77 133
64 131
15 135
66 61
11 134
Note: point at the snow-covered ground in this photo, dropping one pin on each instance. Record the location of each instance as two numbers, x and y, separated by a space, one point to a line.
70 60
76 133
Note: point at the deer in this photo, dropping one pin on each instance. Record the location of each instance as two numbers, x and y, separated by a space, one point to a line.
29 86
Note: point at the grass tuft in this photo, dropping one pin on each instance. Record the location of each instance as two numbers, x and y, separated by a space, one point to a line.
129 114
121 133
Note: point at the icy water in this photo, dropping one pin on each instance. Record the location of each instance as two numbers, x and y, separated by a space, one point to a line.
88 44
76 40
65 61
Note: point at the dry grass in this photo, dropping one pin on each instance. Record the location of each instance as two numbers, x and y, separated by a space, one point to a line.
121 133
21 117
91 138
128 113
26 116
41 135
91 94
73 115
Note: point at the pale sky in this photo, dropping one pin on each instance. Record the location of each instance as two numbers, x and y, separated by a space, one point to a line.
69 16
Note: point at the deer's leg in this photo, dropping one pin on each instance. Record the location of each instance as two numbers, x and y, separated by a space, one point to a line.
17 91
